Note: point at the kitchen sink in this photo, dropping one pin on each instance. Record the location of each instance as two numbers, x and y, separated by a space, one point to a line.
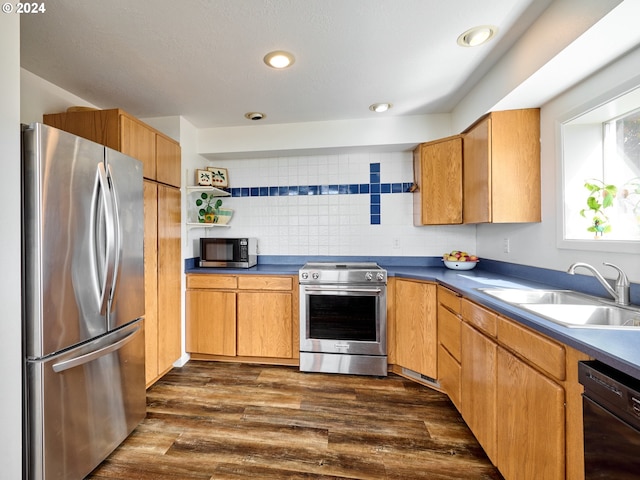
569 308
587 315
513 295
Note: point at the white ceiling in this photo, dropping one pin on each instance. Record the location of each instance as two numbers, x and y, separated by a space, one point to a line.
202 59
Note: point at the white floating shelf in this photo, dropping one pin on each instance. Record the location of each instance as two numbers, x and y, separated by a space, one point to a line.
206 225
216 191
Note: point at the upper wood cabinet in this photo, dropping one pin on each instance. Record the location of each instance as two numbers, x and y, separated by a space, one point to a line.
167 169
115 128
438 173
138 141
501 168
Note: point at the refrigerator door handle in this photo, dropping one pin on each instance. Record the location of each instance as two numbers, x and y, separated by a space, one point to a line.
102 188
117 235
89 357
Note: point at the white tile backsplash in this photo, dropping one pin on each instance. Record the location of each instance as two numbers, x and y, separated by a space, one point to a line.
335 224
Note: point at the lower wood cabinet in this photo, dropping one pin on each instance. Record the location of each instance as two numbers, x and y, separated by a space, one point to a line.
163 273
416 326
519 394
531 422
242 316
264 324
478 385
449 349
211 322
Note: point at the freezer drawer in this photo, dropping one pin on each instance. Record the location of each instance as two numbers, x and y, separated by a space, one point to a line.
83 403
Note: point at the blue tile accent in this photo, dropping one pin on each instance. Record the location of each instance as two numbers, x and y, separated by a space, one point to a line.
374 189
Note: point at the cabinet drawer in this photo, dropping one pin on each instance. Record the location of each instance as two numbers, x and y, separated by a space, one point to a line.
449 375
211 281
479 317
537 349
449 331
265 282
449 299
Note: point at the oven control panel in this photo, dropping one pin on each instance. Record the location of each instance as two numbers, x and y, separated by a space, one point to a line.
337 273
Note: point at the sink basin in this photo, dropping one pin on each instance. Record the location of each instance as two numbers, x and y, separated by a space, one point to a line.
520 296
569 308
588 315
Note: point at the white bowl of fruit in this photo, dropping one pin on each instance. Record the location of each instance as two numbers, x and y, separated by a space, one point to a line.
459 260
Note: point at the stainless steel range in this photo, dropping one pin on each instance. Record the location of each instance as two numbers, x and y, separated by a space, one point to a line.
343 318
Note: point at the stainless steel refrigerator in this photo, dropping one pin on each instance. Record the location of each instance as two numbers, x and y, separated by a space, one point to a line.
83 301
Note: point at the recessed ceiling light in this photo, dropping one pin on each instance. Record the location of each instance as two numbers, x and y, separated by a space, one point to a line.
380 107
254 115
477 36
279 59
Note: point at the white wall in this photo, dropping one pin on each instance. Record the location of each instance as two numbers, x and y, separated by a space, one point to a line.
10 295
383 133
39 96
514 81
537 244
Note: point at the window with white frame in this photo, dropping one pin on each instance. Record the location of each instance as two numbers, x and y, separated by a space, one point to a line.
601 172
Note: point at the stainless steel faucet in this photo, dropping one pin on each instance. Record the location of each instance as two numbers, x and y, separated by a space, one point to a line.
621 292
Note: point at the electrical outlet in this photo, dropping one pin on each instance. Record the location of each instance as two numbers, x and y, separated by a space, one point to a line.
506 245
396 243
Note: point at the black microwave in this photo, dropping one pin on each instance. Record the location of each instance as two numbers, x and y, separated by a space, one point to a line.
228 252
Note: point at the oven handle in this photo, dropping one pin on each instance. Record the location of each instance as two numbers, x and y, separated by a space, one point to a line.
339 290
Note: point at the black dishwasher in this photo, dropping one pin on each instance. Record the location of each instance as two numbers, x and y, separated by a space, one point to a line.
611 409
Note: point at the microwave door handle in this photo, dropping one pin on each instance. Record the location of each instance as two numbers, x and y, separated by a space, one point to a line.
101 197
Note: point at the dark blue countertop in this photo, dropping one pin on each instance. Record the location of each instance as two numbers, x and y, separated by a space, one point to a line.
619 348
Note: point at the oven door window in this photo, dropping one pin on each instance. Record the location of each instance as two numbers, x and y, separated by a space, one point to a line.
343 317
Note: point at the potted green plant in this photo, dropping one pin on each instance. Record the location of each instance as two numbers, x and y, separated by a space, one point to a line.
208 204
600 197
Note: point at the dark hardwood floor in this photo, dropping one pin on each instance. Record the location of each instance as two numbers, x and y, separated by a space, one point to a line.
210 420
